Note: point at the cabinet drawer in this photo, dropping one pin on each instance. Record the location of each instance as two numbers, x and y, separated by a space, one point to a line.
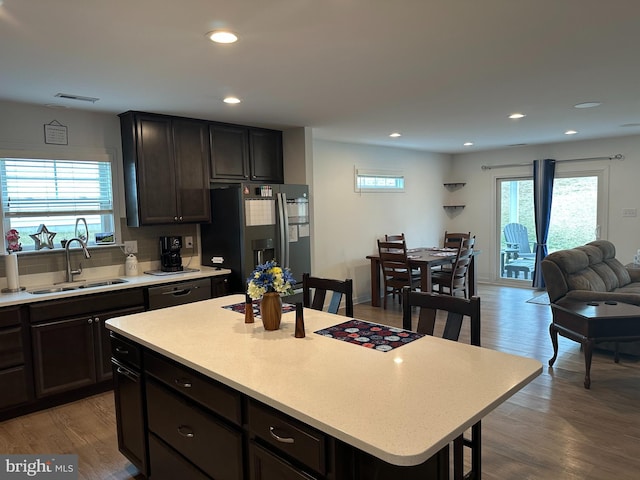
200 437
209 393
264 465
9 317
11 351
125 351
288 435
14 386
167 464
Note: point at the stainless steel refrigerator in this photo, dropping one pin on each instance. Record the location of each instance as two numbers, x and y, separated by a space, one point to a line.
255 223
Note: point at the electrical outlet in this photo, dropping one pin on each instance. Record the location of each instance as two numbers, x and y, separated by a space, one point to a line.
188 242
131 246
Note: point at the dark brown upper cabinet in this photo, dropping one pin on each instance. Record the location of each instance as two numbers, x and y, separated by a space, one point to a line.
166 169
241 153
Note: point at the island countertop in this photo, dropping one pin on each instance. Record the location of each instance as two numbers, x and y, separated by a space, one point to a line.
401 406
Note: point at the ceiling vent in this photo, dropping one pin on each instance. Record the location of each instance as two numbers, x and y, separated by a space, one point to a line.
79 98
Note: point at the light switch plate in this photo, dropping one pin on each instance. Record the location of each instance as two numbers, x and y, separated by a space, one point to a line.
629 212
131 246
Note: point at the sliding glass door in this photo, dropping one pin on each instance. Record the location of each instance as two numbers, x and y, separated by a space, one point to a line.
577 217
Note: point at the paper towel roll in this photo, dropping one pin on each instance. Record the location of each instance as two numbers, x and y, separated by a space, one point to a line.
11 268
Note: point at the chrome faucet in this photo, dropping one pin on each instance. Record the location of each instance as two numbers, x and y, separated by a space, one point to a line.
70 272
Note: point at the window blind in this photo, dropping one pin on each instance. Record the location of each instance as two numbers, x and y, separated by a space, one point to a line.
46 188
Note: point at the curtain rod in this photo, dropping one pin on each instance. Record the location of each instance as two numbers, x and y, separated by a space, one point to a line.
617 156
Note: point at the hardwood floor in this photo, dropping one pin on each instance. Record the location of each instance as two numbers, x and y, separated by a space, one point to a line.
552 429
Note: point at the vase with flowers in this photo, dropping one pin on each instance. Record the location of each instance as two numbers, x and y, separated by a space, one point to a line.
267 282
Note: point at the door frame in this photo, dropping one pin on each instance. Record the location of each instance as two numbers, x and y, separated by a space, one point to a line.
563 170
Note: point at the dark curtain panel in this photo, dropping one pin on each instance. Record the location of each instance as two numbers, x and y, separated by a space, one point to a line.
543 172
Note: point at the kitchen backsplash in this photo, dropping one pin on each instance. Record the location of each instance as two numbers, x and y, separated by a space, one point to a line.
48 260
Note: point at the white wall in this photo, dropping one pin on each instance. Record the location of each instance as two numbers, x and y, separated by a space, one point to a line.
347 224
22 128
624 190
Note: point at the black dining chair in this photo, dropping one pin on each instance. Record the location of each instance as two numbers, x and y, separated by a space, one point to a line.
445 315
320 287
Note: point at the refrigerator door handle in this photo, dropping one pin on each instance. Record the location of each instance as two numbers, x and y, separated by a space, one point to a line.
283 223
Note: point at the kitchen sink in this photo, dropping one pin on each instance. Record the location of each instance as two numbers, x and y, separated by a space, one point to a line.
41 291
103 283
74 286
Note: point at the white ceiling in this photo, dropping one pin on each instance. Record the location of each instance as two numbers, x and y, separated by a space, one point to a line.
441 72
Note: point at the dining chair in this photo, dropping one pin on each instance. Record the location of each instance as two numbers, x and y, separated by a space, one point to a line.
454 280
396 272
444 316
394 238
453 239
320 287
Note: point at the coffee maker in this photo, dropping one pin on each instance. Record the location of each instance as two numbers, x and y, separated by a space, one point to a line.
170 258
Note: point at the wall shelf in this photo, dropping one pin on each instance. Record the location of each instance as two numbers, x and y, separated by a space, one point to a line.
454 185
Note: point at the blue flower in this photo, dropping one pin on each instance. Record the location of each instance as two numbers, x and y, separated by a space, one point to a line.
269 277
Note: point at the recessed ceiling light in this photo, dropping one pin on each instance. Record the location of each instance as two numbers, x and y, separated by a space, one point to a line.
570 132
626 125
395 135
515 116
222 36
587 105
232 100
468 144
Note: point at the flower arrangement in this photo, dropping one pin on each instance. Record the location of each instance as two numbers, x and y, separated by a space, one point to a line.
269 277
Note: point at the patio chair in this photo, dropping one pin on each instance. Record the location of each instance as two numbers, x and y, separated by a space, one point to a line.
517 237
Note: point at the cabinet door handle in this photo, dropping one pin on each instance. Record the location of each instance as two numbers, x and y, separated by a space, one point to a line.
122 350
90 321
186 431
272 431
127 374
97 319
183 383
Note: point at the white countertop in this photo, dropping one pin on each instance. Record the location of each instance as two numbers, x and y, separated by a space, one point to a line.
23 297
402 406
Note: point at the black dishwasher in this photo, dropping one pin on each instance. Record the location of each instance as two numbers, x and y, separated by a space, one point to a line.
179 293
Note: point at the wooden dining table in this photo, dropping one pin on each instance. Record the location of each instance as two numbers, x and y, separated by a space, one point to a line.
425 259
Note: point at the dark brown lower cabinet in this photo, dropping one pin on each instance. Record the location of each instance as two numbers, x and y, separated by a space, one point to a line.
169 464
196 434
198 428
14 366
130 413
264 465
73 353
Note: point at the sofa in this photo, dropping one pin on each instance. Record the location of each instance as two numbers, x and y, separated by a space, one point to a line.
592 273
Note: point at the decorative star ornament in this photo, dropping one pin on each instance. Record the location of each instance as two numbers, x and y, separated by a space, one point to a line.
43 237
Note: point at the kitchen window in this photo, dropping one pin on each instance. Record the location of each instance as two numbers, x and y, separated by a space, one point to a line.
57 194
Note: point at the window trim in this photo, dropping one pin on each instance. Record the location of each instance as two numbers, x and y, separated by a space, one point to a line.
73 154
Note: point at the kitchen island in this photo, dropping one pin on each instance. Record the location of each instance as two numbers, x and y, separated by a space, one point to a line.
353 405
